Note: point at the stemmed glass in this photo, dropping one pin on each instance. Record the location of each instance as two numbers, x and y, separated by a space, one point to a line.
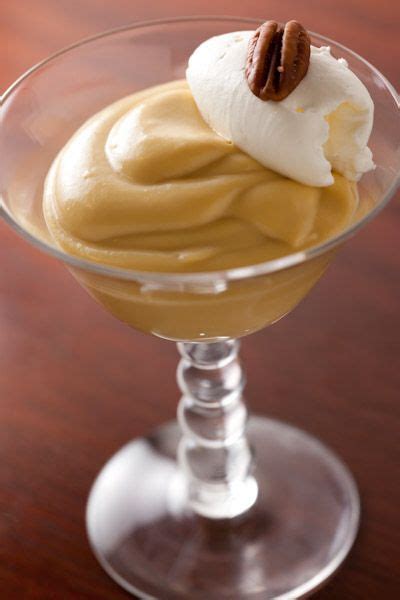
215 507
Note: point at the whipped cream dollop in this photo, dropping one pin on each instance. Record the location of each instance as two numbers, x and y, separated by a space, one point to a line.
323 125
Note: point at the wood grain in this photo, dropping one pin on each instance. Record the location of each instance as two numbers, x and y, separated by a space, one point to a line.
76 384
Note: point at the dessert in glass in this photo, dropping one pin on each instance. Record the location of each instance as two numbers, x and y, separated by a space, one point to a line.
197 177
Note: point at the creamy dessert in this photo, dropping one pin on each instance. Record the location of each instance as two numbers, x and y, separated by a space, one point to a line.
255 156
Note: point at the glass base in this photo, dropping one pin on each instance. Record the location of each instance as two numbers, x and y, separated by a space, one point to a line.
296 535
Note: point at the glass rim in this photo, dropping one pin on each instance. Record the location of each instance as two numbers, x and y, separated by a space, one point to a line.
232 274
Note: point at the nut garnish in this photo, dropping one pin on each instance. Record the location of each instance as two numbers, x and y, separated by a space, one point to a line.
277 59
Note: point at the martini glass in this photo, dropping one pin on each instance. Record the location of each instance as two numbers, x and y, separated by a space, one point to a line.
213 506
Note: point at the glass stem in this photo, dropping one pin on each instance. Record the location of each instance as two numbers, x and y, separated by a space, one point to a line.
214 452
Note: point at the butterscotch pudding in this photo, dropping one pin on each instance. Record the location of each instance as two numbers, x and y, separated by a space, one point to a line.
253 157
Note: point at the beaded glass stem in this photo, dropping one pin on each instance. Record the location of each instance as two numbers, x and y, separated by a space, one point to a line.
214 452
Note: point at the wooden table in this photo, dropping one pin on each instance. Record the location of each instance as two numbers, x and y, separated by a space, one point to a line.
76 384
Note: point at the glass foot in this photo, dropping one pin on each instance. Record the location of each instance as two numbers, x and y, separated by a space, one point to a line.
296 535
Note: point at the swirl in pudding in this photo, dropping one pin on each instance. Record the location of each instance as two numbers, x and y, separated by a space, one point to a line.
146 184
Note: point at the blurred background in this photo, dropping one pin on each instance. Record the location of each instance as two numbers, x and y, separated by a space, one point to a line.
75 384
33 29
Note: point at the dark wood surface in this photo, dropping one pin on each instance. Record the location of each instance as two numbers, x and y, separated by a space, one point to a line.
76 384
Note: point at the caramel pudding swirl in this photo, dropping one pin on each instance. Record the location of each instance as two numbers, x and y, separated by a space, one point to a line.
145 184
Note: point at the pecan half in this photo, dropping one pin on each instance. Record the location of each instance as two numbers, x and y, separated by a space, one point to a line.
277 59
